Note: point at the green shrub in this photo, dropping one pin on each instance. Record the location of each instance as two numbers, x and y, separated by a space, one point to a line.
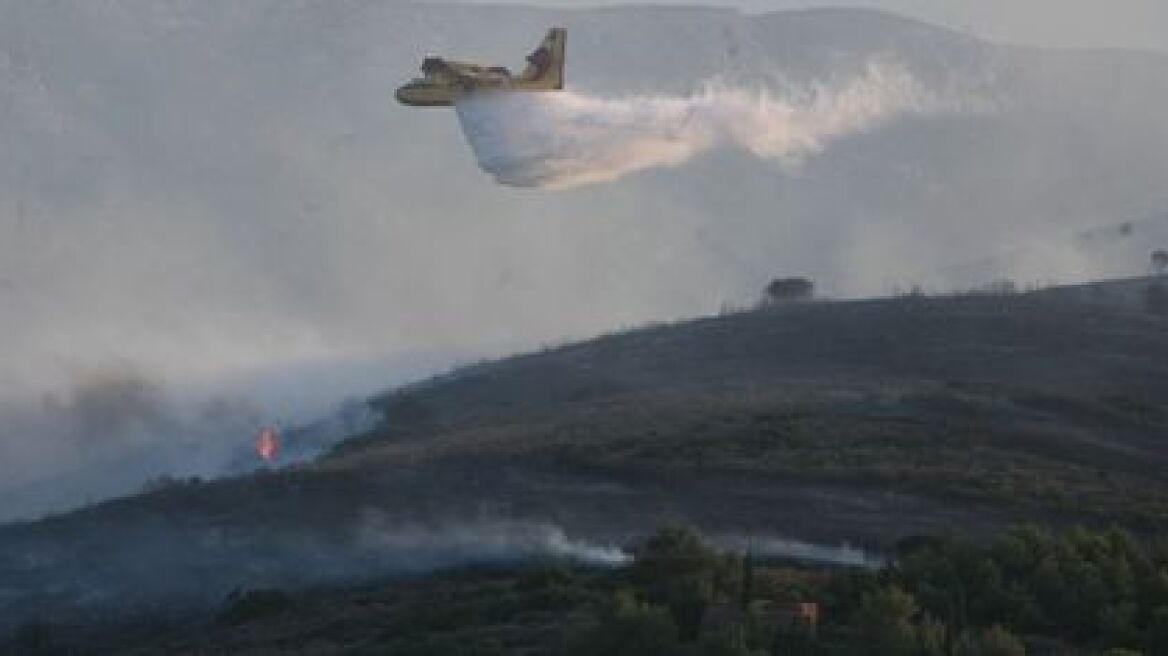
994 641
886 623
629 628
34 637
676 569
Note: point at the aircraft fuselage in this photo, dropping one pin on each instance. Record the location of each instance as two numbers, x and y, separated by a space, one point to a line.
420 93
425 93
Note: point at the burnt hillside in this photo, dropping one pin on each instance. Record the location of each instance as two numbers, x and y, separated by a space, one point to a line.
862 421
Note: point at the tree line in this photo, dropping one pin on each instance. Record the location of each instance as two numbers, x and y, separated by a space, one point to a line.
1029 589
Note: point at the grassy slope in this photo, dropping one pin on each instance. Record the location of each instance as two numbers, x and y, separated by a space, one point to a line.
1023 401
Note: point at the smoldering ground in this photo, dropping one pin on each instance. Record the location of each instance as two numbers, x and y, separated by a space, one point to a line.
155 566
161 566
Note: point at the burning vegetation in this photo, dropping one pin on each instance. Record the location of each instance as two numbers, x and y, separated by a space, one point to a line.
266 444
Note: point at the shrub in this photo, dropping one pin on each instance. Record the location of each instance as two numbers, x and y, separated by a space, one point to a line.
629 628
676 569
34 637
786 290
1158 631
994 641
1160 261
886 622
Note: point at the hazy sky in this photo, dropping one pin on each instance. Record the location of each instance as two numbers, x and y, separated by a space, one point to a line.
1091 23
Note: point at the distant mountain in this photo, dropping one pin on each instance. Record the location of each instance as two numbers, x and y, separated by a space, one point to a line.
248 158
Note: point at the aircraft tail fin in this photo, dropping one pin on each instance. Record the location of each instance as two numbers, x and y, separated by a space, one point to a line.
546 64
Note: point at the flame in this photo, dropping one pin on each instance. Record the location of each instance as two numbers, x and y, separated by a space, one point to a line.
265 444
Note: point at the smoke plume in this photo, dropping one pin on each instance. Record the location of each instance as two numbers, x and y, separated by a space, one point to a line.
560 140
844 555
409 547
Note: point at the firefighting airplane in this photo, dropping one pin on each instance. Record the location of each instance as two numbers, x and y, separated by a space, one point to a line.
446 81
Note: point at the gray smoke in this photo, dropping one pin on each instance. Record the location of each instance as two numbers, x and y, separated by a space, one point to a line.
172 564
118 428
560 140
845 555
109 432
413 546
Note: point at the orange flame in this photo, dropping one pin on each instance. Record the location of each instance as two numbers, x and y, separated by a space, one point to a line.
265 444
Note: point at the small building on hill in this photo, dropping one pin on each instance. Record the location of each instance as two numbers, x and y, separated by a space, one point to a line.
796 616
790 618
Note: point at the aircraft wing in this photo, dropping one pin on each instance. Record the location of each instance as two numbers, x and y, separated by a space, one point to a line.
466 70
461 72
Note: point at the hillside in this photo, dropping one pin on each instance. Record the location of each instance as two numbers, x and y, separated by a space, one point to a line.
1032 401
204 192
859 421
249 159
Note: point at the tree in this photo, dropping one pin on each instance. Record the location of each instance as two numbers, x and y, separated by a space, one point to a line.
34 637
629 628
1001 287
994 641
886 622
1117 624
1158 631
677 569
788 290
1160 261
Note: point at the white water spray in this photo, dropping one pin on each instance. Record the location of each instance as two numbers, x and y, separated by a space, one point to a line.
561 140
